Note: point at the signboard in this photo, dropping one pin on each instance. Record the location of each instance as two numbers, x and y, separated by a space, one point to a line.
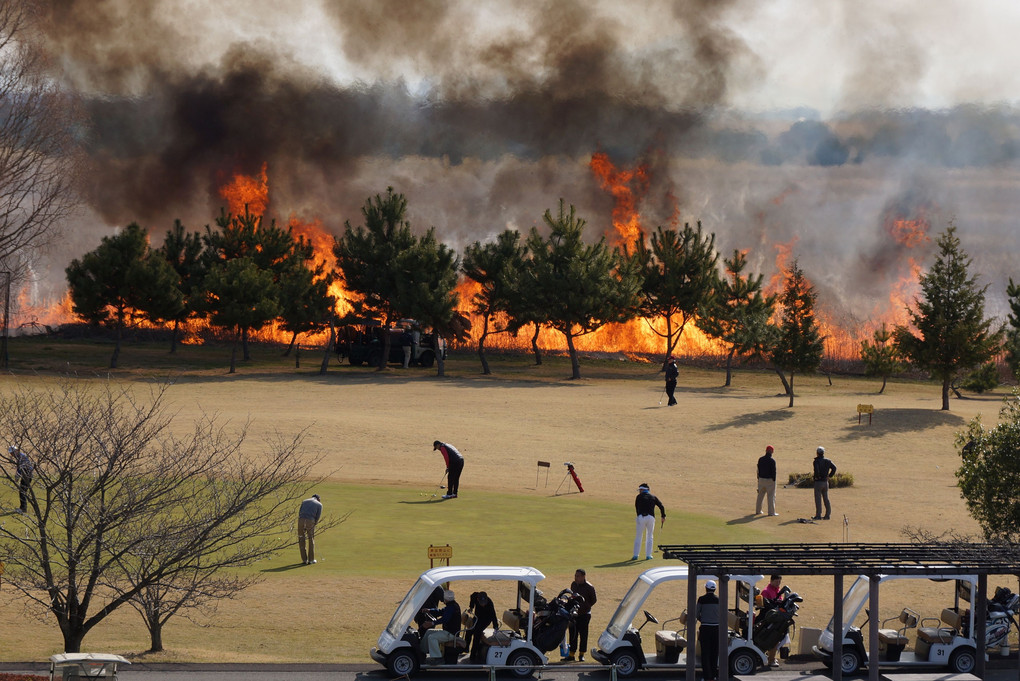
435 553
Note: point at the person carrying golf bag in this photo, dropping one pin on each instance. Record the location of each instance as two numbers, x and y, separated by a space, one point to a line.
454 466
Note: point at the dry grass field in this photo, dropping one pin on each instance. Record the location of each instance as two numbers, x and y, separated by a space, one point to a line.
375 431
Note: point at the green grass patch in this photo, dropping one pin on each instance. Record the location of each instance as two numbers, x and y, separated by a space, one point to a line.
390 528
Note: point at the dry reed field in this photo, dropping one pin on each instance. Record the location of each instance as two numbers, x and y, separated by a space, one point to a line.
376 430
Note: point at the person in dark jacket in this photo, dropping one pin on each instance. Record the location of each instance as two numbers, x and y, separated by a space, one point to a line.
823 470
672 372
454 467
485 615
766 481
579 624
644 505
708 616
308 516
448 625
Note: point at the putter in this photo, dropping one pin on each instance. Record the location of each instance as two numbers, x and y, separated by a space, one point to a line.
661 396
441 486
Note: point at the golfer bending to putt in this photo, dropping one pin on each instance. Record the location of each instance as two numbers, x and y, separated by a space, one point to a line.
454 466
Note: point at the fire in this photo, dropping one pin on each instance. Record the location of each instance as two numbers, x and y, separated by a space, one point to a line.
628 188
247 191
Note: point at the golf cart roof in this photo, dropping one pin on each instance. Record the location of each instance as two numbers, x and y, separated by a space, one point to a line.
668 573
78 658
452 573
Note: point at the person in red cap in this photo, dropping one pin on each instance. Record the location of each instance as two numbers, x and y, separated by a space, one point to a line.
672 372
766 481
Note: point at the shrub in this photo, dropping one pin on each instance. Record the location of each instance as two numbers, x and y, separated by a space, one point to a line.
806 480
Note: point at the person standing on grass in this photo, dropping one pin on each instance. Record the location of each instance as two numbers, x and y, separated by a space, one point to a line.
454 467
766 482
24 468
579 624
823 470
707 615
644 505
672 372
308 516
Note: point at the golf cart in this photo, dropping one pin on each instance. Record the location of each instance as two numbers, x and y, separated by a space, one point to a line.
400 648
947 640
76 666
620 643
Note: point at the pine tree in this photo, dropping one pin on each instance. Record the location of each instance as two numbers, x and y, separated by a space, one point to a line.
678 273
799 347
952 334
737 312
881 358
582 287
1013 329
183 250
494 267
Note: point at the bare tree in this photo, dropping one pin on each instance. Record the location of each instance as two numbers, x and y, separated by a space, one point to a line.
121 505
38 155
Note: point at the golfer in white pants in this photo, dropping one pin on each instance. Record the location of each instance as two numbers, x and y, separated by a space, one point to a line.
644 505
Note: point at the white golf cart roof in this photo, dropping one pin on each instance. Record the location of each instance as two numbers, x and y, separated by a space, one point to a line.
648 580
70 665
429 580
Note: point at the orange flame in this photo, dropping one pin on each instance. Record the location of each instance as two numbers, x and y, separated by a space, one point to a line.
628 188
251 191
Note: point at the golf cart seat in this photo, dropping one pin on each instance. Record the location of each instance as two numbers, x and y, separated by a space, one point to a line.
897 637
940 634
669 644
512 618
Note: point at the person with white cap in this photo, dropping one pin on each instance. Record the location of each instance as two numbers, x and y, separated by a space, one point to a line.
707 614
445 631
823 470
644 505
766 481
308 516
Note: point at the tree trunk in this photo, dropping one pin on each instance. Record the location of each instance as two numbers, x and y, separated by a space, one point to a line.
945 393
782 377
534 346
481 346
174 333
575 366
244 345
329 348
791 389
440 361
729 366
290 346
72 640
884 379
155 636
116 346
233 354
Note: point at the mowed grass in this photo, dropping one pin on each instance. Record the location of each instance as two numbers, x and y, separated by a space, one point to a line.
374 433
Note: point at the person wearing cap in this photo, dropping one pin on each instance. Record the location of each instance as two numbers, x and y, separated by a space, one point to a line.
308 516
23 470
448 624
766 481
644 505
823 470
454 467
707 614
579 624
672 372
484 616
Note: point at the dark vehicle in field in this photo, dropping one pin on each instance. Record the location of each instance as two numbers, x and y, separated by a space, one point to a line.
364 343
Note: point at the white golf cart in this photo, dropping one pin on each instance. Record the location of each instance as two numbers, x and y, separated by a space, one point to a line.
400 649
76 666
947 640
620 643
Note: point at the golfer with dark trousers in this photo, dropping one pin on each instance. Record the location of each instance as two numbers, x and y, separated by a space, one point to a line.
454 467
708 632
579 625
823 470
672 372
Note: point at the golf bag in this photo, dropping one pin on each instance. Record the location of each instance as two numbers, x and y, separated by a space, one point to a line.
552 622
1002 608
774 621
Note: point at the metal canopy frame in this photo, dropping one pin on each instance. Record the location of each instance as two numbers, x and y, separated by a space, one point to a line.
839 560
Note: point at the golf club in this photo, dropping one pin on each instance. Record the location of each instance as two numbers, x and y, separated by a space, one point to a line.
440 487
661 396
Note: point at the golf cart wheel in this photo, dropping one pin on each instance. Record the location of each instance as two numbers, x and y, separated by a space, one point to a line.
963 661
850 661
427 359
626 663
522 664
743 663
402 663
